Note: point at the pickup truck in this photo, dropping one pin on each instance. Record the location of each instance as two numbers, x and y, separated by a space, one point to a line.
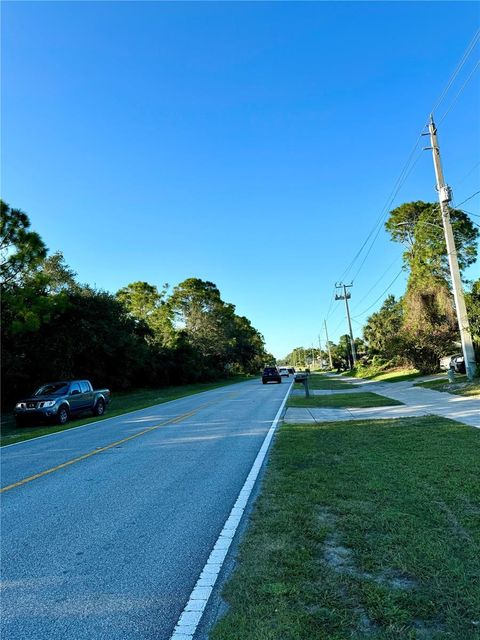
58 401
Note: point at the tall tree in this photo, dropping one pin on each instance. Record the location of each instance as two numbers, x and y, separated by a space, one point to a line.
418 226
472 300
382 330
21 250
144 302
429 322
206 320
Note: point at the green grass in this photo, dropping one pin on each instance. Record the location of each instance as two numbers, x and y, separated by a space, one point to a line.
121 402
361 400
460 387
364 529
316 381
394 375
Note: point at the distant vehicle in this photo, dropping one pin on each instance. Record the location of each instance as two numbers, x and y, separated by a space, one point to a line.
58 401
291 370
283 371
271 374
455 362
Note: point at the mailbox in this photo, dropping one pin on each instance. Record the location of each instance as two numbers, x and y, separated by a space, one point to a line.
303 379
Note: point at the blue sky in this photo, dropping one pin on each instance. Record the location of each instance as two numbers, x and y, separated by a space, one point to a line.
251 144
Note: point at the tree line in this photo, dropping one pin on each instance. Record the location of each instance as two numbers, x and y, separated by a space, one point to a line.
421 326
53 327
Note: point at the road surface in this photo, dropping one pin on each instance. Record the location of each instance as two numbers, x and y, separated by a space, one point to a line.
106 527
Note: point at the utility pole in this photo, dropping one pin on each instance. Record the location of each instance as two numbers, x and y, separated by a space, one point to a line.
346 295
320 351
444 197
328 345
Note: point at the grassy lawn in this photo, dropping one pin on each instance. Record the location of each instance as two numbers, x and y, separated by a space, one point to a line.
460 387
384 544
361 400
395 375
317 381
121 402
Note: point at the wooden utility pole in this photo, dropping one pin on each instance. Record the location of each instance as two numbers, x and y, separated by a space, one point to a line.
346 295
328 345
444 197
320 351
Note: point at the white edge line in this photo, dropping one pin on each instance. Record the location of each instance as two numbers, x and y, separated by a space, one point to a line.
190 618
120 415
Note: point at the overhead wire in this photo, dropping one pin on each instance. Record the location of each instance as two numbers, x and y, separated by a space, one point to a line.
467 199
358 315
384 216
462 88
332 300
380 279
469 173
470 213
407 168
457 69
406 171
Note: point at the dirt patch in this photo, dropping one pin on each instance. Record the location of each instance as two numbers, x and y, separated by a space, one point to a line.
325 517
341 559
395 580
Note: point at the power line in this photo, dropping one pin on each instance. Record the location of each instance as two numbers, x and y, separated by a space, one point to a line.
332 300
410 165
385 215
458 68
470 213
467 199
452 104
404 173
469 173
379 279
380 296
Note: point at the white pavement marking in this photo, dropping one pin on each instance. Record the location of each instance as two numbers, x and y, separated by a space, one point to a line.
188 622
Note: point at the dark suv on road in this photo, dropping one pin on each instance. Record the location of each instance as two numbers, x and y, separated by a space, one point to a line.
271 374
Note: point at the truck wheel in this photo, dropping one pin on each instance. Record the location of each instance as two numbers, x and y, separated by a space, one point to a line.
99 408
63 415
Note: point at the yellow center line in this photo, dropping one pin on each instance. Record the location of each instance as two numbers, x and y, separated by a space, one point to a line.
105 448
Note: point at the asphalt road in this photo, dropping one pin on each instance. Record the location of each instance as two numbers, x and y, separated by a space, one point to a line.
106 528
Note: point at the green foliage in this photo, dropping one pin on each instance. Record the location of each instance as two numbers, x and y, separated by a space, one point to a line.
146 304
341 353
53 327
223 341
305 357
418 226
21 250
472 300
428 327
421 327
382 330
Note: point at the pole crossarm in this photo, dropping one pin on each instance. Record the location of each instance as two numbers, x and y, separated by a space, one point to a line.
346 295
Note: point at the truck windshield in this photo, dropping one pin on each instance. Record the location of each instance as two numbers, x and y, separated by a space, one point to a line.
53 389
